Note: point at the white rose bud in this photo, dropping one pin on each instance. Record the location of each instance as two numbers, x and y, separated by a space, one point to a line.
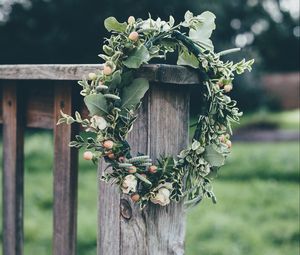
162 196
129 184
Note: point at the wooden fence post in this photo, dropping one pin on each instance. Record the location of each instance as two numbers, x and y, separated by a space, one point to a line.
13 169
161 128
65 174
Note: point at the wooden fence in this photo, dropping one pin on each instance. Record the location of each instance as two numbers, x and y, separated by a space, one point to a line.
32 96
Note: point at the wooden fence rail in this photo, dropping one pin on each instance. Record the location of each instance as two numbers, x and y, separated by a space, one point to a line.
32 96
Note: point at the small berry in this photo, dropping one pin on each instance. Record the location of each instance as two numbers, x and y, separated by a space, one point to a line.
152 169
121 159
134 36
135 197
108 144
228 88
222 138
220 84
229 143
92 76
107 70
132 170
88 155
131 20
111 156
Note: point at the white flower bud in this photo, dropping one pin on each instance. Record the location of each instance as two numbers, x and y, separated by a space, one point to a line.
129 184
162 196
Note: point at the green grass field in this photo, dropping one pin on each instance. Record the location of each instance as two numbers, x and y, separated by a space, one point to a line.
257 210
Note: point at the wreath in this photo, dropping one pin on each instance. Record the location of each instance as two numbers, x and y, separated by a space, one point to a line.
113 95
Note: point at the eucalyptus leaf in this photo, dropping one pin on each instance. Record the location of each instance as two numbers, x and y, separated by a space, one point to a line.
111 24
186 58
96 104
202 30
142 178
195 145
132 94
115 80
137 57
213 157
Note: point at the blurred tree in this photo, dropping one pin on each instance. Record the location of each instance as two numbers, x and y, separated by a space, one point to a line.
71 31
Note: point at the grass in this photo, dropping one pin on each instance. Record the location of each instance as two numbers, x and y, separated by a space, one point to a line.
286 120
253 217
257 210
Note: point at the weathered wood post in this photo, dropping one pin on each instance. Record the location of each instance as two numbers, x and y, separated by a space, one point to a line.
13 168
65 173
161 128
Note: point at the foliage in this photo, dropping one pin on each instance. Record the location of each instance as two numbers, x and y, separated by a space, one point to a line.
37 24
112 106
74 35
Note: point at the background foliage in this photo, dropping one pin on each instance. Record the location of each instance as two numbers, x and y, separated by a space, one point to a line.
64 31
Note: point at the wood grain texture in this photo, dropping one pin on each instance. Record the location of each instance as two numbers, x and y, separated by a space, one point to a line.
168 134
65 175
108 234
171 74
46 72
162 128
133 236
39 105
154 72
13 169
1 108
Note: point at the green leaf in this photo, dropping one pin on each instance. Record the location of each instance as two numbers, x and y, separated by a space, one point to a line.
137 57
133 93
111 24
96 104
202 30
115 80
186 58
213 157
142 178
195 145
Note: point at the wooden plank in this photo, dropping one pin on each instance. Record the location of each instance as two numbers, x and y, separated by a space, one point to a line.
65 175
111 205
13 169
169 74
108 230
39 104
1 110
154 72
168 135
46 72
133 238
162 127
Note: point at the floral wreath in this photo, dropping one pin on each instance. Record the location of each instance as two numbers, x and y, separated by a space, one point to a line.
113 95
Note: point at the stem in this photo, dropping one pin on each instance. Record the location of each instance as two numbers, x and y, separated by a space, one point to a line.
188 43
